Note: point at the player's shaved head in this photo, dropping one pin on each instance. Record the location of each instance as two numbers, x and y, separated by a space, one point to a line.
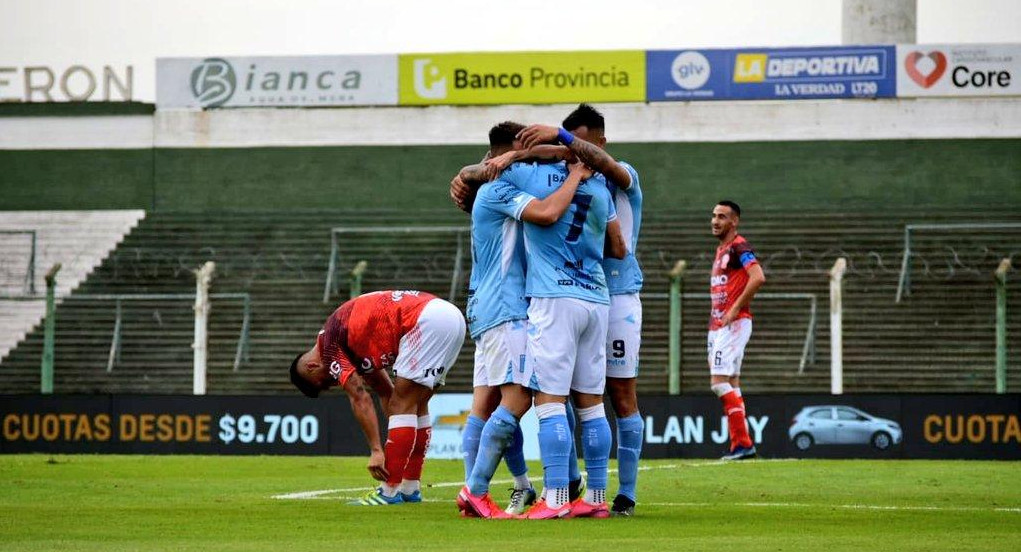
586 123
301 371
503 137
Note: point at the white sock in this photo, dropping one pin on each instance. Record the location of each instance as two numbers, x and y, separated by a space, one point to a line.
522 482
409 486
557 498
721 389
542 495
595 496
389 491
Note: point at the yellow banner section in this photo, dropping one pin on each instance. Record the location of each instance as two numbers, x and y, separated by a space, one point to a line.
522 77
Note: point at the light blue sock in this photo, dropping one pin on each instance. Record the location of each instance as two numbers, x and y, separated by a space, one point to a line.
573 473
497 435
515 454
596 441
554 448
630 432
470 443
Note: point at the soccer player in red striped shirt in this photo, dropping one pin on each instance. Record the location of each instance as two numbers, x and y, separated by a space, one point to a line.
411 333
736 277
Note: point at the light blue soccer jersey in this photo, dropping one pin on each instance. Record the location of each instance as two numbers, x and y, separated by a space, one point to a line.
496 289
565 258
624 276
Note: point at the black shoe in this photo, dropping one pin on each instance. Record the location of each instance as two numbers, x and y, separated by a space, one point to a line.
740 453
575 488
622 507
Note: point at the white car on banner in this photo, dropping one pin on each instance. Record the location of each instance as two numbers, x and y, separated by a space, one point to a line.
842 425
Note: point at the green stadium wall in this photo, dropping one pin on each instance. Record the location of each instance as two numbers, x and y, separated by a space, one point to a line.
860 175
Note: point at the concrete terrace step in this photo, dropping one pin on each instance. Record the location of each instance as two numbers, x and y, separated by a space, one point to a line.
281 260
79 240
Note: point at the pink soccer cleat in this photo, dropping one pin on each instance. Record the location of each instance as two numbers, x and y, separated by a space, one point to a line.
581 509
541 510
479 506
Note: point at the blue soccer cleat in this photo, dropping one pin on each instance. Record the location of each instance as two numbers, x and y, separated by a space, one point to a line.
740 453
375 497
414 497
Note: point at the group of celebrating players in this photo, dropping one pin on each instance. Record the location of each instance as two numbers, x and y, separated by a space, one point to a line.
554 310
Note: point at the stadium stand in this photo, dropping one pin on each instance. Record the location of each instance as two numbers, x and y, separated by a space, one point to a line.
939 339
33 241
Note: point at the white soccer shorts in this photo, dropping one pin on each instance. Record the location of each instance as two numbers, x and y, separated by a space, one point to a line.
567 345
500 355
726 347
429 350
624 337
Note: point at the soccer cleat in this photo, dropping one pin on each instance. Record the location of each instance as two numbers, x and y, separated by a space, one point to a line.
622 507
580 509
520 500
412 498
375 497
576 488
541 510
479 506
740 453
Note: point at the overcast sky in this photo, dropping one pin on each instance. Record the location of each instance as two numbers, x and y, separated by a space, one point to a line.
60 33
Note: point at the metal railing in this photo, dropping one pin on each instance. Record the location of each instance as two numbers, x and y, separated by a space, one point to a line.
241 354
807 348
837 326
332 282
1001 325
30 273
904 281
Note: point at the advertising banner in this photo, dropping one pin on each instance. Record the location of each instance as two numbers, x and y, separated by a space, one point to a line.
449 414
305 81
522 78
845 426
771 73
958 69
962 426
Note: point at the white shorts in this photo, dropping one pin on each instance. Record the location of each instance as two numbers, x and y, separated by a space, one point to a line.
567 345
726 347
500 355
624 336
427 352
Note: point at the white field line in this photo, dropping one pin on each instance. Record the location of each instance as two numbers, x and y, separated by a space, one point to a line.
305 495
871 507
337 494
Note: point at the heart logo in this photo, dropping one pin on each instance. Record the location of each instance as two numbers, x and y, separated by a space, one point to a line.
925 81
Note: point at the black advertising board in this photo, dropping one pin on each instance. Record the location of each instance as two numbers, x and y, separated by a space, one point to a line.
783 426
840 426
176 424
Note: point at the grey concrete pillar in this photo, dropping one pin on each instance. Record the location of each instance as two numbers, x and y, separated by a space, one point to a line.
879 21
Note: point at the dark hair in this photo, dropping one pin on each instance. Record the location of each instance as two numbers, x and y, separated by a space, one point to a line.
733 206
504 133
584 116
301 383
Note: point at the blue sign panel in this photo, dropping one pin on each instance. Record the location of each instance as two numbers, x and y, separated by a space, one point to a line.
687 75
771 73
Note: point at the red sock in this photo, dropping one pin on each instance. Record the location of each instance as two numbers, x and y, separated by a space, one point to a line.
733 406
400 441
413 471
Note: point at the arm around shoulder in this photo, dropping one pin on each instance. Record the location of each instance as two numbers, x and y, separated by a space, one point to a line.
616 246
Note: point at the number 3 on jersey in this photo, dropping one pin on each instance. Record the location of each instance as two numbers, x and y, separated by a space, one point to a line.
582 203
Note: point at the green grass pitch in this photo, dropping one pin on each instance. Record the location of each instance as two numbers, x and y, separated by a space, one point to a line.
227 503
